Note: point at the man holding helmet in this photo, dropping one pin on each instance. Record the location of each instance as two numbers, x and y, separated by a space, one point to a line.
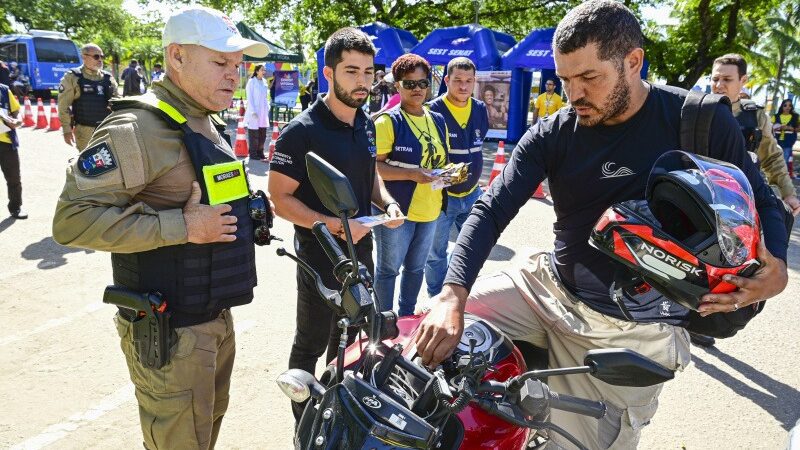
160 188
597 153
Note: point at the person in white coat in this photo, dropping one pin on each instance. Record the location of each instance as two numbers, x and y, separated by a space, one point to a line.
257 113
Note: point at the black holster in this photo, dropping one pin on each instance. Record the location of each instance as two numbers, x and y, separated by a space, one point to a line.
152 336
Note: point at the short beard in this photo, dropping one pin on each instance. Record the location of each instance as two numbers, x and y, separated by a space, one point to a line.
347 98
616 103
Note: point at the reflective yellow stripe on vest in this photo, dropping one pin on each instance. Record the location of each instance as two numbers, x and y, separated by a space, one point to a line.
166 108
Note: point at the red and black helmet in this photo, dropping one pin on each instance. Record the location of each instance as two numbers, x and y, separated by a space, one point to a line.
697 223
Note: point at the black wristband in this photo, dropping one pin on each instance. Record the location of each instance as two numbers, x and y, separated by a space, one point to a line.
386 206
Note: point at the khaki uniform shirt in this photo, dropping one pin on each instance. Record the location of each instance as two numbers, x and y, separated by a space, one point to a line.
137 206
770 155
69 91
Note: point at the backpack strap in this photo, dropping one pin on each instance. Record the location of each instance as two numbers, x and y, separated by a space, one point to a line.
697 113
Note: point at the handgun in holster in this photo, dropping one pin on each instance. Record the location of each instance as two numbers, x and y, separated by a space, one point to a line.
152 335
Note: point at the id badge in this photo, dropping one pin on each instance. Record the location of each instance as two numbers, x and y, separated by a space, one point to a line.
225 182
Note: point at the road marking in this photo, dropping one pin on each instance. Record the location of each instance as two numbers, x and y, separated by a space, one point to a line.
107 404
58 431
52 323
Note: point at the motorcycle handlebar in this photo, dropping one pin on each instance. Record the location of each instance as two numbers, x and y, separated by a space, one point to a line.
577 405
328 243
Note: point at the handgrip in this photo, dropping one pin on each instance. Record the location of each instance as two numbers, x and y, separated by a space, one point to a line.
577 405
328 243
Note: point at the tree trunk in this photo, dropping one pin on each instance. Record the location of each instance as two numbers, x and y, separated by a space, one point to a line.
778 79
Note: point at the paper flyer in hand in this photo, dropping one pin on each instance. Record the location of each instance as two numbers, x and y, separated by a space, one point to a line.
4 116
379 219
449 175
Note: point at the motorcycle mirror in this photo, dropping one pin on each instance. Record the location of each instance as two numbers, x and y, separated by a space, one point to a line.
625 367
331 186
298 385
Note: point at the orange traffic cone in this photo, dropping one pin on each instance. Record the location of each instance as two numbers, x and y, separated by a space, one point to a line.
499 161
241 139
791 165
55 122
27 120
275 132
241 108
41 119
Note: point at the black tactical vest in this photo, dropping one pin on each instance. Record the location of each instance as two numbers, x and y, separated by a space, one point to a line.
197 281
748 123
92 106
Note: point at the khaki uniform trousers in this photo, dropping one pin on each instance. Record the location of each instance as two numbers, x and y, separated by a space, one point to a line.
529 303
82 134
182 404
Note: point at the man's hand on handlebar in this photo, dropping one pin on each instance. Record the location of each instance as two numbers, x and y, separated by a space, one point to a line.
440 331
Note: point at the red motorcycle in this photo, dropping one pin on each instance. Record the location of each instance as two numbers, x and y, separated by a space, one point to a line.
376 394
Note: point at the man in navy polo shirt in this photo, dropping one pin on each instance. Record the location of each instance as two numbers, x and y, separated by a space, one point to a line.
337 129
467 124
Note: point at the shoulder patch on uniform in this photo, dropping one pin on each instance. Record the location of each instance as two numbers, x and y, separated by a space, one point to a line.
96 160
60 88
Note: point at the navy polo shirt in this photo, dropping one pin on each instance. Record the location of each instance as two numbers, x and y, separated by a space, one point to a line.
351 149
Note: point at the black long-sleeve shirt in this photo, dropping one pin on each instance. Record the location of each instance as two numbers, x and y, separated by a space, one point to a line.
589 169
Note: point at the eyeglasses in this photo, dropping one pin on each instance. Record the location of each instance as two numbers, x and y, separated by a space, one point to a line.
96 57
413 84
261 212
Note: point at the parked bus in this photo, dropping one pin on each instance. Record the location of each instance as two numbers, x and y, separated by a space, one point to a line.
43 57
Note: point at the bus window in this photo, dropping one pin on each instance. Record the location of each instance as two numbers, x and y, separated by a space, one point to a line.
8 52
22 53
55 50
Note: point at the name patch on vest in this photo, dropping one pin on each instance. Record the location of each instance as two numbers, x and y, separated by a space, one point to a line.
227 175
96 160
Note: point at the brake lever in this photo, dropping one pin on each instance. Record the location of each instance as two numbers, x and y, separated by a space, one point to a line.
333 298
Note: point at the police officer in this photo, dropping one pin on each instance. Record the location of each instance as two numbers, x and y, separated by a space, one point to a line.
83 97
162 191
728 76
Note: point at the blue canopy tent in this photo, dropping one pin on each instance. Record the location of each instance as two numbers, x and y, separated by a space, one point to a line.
481 45
390 42
534 52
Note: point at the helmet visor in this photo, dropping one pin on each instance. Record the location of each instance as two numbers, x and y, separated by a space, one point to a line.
727 192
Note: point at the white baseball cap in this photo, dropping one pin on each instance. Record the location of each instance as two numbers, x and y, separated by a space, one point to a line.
211 29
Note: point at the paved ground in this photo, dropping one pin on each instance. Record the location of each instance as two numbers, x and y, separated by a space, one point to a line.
63 382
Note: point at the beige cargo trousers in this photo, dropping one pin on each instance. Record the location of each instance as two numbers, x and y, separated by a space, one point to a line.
182 404
529 303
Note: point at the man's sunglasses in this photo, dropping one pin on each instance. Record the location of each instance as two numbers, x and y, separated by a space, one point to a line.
412 84
261 212
95 57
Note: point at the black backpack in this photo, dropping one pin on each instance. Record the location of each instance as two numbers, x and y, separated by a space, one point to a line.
697 114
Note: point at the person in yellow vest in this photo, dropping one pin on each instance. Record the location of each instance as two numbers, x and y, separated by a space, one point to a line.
9 158
549 102
786 125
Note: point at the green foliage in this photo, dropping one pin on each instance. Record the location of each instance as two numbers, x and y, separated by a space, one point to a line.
121 35
776 55
706 29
